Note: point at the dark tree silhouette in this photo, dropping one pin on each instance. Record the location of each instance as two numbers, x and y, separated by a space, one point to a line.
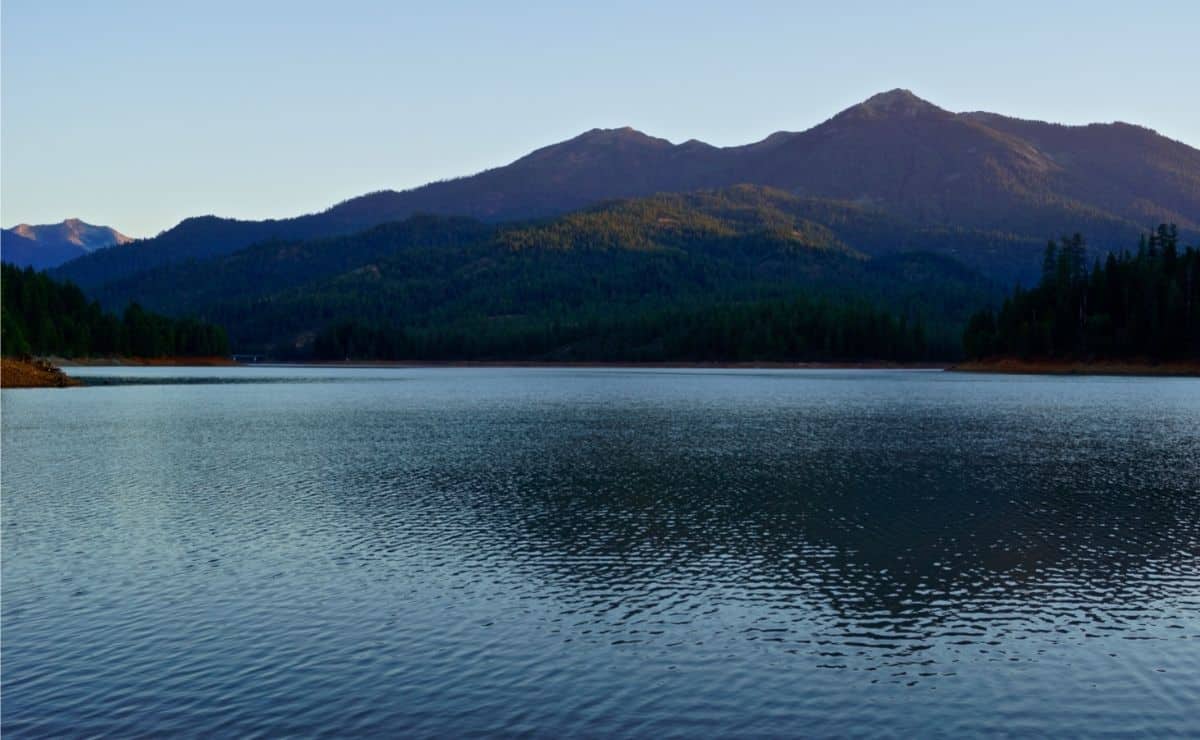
43 317
1145 304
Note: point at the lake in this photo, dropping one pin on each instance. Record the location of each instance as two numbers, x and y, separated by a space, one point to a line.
599 552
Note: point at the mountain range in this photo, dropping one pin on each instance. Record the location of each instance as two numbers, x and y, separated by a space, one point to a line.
50 245
890 224
894 154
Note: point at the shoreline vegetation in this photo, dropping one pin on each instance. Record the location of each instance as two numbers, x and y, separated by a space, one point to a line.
1133 309
45 324
1134 314
44 318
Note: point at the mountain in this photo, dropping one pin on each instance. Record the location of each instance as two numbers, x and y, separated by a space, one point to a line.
557 287
914 159
1118 168
50 245
895 152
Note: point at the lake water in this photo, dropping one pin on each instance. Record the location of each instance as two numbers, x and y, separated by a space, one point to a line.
449 552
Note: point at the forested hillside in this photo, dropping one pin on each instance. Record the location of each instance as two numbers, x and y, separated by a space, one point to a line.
43 317
567 286
722 223
1144 304
799 329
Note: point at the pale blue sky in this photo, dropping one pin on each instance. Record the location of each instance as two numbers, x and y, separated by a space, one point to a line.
138 114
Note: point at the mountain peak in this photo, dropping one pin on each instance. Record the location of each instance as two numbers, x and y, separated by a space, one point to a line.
597 142
893 103
898 95
622 134
43 246
72 231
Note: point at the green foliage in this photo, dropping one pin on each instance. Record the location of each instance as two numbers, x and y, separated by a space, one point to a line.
503 287
549 303
1133 305
799 329
44 317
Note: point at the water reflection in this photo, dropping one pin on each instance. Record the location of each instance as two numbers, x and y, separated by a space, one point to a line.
596 553
875 534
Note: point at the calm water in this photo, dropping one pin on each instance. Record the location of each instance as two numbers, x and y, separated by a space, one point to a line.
595 552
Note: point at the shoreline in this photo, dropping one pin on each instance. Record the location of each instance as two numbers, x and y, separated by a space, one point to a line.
618 365
144 362
1123 368
47 372
16 373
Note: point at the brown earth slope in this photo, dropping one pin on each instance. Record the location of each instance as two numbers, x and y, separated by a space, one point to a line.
16 373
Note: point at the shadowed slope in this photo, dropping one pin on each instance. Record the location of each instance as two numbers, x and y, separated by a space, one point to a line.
894 151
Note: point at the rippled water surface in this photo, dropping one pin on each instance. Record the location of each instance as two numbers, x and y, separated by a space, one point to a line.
596 552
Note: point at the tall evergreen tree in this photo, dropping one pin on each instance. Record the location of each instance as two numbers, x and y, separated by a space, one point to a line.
1145 304
44 317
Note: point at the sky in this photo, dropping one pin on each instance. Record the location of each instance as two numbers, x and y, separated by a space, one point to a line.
139 114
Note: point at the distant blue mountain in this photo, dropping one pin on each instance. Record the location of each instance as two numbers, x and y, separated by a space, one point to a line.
50 245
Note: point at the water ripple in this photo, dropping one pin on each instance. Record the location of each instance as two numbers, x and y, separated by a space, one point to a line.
588 552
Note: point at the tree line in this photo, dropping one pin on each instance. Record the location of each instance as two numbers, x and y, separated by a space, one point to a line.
799 329
1143 304
43 317
465 288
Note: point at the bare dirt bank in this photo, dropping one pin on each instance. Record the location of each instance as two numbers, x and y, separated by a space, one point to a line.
1016 366
16 373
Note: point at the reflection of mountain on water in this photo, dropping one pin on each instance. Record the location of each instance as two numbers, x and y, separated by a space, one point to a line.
823 525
